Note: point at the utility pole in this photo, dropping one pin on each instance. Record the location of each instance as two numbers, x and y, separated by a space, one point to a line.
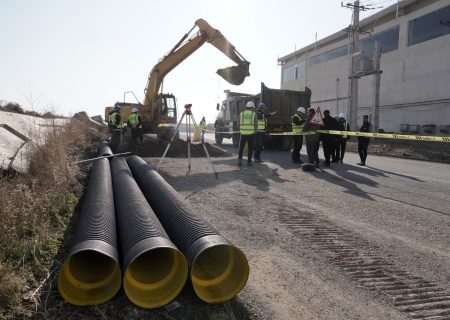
353 63
376 86
354 81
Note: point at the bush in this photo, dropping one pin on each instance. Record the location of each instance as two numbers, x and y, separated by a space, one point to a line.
35 210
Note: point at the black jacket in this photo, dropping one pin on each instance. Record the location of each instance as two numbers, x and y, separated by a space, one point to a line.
366 126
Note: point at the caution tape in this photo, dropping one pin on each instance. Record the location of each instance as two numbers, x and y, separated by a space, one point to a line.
292 133
386 135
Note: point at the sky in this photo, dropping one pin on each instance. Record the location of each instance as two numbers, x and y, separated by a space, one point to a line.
67 56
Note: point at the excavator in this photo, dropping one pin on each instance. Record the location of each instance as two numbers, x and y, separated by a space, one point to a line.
158 108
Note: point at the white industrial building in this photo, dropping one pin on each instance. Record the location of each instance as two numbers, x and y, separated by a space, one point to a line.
414 36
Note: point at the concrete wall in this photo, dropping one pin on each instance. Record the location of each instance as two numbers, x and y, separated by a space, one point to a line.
415 83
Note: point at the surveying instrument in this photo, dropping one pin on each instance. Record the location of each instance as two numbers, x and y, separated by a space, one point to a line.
189 119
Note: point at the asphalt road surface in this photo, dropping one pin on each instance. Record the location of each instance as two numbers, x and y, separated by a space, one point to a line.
385 227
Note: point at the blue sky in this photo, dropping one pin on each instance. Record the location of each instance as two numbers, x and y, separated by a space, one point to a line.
69 56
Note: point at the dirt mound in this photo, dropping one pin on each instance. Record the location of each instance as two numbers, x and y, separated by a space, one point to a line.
152 147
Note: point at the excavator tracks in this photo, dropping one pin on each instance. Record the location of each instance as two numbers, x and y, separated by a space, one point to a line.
360 260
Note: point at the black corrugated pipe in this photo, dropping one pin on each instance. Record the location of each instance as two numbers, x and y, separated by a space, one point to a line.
155 270
91 273
105 149
218 269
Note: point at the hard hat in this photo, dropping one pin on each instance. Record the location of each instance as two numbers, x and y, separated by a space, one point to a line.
301 109
262 106
342 115
134 109
250 104
116 107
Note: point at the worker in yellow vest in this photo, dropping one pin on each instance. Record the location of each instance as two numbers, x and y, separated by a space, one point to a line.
116 125
203 127
298 121
248 123
261 131
135 124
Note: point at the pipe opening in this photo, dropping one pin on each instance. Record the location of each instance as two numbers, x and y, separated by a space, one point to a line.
89 277
155 277
219 273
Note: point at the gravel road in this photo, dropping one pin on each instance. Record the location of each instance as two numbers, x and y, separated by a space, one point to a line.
345 242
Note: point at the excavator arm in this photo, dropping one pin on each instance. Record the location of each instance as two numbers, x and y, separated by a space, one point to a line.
183 49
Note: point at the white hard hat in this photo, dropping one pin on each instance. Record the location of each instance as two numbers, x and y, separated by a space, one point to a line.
250 104
342 115
134 109
301 109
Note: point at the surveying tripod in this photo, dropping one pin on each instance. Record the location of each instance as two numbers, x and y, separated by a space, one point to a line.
189 117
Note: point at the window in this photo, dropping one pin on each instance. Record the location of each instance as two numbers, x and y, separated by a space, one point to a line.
329 55
430 26
294 72
388 41
289 74
171 107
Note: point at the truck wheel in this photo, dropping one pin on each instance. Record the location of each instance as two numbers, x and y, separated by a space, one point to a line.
219 138
235 139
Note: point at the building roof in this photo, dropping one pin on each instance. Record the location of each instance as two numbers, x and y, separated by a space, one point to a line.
341 34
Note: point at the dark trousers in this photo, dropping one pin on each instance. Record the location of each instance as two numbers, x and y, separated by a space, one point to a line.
328 146
298 143
340 150
115 140
363 145
136 135
312 148
249 139
259 144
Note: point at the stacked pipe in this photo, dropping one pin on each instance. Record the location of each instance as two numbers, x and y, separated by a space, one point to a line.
90 274
105 149
218 269
155 270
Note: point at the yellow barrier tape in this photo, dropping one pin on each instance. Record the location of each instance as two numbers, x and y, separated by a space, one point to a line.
292 134
386 135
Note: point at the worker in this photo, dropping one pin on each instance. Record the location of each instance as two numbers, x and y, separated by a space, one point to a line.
342 139
363 142
261 132
110 124
135 124
203 127
248 123
298 121
117 126
312 140
328 140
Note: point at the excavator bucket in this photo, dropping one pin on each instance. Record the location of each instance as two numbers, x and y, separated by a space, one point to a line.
235 74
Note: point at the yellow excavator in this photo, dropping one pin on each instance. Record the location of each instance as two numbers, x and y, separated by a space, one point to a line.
158 108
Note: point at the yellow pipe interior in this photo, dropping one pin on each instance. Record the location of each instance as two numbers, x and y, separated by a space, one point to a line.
89 277
155 277
219 273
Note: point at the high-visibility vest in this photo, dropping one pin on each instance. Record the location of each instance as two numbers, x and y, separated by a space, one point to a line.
203 124
262 125
345 129
113 121
247 122
133 120
296 128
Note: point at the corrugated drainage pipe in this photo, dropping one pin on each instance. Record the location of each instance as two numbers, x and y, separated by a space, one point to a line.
155 270
91 273
219 270
104 149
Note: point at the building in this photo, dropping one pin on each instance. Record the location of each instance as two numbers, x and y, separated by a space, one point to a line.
414 36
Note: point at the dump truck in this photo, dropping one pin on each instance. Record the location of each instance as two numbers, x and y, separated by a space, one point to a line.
282 105
158 108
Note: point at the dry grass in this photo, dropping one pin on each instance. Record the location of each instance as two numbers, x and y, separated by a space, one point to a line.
34 212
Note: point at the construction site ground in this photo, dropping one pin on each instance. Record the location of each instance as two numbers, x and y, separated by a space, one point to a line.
345 242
